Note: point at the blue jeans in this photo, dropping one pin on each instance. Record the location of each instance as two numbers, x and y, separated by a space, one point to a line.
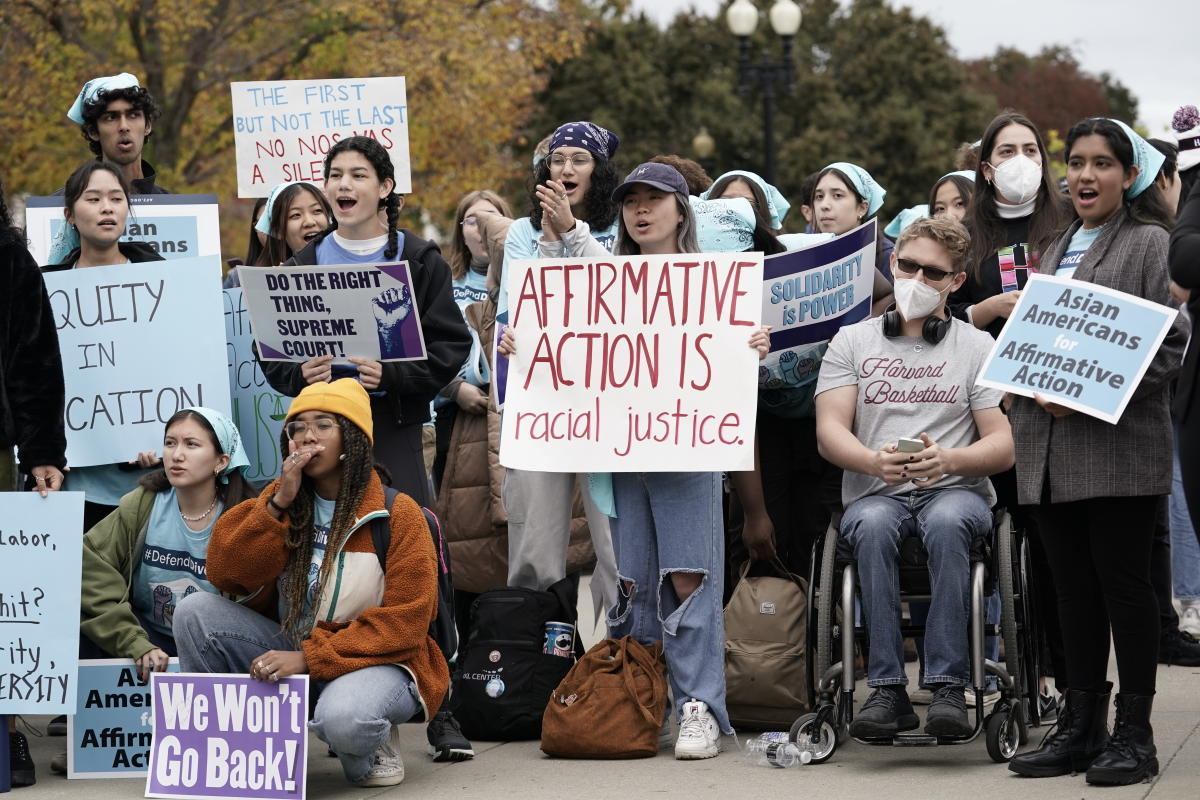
1185 548
354 713
946 520
671 522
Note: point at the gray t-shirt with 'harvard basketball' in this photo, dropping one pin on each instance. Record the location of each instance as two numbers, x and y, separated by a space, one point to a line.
907 386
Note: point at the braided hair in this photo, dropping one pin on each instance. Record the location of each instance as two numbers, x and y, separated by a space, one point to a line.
381 162
356 477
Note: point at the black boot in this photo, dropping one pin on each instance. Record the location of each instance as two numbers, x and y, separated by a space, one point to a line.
1075 740
1129 755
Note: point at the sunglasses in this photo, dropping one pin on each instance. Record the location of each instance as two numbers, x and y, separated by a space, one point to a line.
907 266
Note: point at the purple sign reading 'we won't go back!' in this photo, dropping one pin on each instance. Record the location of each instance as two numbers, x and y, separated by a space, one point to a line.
228 736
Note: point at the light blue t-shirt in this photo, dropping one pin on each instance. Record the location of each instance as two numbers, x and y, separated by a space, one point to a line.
470 288
322 518
330 252
1076 249
172 563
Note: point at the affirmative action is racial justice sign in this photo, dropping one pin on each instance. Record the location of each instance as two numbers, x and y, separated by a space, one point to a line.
808 295
40 563
228 736
112 728
283 129
353 310
139 342
175 225
633 363
1078 344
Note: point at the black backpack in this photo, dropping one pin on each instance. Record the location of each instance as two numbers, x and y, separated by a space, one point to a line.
505 681
442 629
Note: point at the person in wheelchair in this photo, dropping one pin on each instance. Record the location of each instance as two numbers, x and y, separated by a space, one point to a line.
899 409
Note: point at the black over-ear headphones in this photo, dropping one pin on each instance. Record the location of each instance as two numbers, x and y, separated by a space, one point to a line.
933 330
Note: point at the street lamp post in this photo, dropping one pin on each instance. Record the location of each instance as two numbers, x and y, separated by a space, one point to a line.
742 18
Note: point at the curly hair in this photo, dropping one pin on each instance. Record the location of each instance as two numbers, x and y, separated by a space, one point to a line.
601 210
1147 208
6 223
137 96
381 162
459 255
949 233
356 477
235 491
276 250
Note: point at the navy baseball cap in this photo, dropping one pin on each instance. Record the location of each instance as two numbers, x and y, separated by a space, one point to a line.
660 176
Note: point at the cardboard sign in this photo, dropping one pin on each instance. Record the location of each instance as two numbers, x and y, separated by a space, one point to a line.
175 225
41 559
808 295
258 410
283 129
228 736
362 310
1078 344
111 730
139 342
628 363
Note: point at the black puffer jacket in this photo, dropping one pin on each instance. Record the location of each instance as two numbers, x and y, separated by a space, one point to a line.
31 376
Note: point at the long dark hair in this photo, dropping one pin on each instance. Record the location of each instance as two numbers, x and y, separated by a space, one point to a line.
230 494
78 182
984 221
601 210
965 186
7 229
356 477
1147 208
276 250
760 199
685 238
1169 168
381 162
254 248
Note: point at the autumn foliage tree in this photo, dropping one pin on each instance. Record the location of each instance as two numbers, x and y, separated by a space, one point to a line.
472 70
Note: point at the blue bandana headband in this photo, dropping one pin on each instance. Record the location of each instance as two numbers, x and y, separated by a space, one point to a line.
1147 158
905 218
263 225
777 204
723 226
230 439
593 138
868 188
94 87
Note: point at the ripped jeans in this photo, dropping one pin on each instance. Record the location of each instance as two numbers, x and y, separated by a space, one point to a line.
671 522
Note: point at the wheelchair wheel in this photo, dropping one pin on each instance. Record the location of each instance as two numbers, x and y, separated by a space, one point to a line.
825 740
1003 736
825 606
1008 605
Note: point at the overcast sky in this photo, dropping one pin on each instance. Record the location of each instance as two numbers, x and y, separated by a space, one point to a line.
1154 53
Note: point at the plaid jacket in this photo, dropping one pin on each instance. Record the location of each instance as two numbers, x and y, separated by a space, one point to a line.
1083 457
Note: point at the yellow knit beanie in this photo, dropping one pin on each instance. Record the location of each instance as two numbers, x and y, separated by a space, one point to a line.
344 396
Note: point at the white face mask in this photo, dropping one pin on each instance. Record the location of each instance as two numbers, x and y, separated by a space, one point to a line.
915 299
1017 179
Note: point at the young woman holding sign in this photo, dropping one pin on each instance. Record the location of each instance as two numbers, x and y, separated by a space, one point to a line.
1096 486
360 185
97 205
667 526
323 601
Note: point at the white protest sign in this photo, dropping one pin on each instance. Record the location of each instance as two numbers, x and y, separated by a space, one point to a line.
139 342
283 129
175 225
258 410
342 310
633 363
1079 344
809 294
40 563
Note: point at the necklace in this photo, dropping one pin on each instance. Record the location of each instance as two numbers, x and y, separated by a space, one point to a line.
186 518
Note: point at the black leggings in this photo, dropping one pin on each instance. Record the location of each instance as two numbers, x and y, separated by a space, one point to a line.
1099 552
1187 444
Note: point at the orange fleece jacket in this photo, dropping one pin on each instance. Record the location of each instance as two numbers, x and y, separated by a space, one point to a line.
247 554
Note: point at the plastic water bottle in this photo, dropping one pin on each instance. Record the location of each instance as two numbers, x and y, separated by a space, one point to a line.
774 750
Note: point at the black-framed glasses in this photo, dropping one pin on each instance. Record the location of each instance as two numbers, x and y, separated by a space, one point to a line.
321 428
906 266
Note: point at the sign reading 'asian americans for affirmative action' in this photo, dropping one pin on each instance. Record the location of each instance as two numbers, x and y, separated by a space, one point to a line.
633 363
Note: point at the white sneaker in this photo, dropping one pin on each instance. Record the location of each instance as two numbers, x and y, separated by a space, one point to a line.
699 736
1189 620
387 768
989 699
